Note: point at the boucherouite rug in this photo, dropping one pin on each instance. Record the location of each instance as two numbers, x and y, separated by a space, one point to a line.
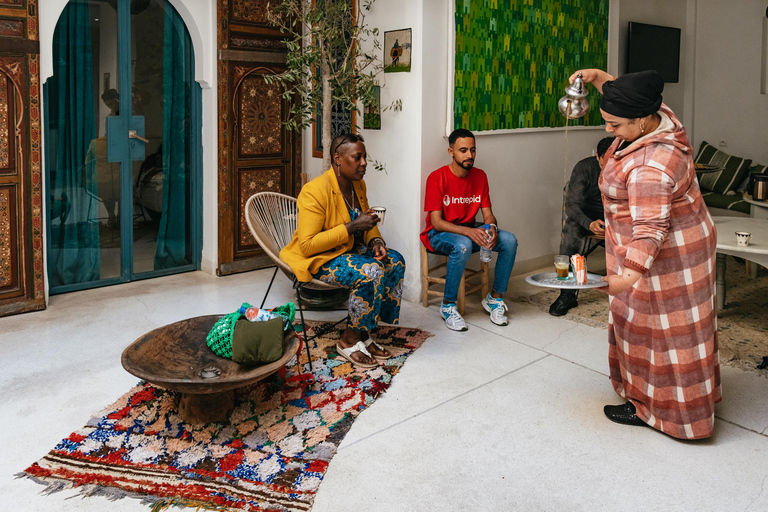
741 326
271 454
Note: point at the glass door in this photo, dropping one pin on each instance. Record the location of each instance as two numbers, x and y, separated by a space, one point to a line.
123 145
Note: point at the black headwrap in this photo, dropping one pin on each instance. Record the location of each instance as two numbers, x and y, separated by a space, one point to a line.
633 95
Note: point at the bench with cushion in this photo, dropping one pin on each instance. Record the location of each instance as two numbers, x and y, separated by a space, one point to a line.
724 190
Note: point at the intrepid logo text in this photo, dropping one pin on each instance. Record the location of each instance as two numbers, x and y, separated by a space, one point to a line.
447 200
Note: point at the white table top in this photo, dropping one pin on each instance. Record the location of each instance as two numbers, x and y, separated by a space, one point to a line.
756 202
757 250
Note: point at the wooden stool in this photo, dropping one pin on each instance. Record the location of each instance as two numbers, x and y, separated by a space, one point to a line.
469 275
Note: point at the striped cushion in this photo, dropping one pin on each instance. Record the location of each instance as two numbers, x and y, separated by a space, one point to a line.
735 203
735 169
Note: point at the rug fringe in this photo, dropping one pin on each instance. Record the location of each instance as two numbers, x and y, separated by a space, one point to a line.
166 503
54 485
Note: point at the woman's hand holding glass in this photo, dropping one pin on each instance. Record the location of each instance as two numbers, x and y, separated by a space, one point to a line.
364 222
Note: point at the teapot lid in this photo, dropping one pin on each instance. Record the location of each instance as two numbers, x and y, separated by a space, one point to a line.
577 89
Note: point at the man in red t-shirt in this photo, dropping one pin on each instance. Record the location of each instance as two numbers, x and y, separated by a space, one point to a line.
454 195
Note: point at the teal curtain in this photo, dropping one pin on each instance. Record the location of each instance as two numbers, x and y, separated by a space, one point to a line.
73 247
174 236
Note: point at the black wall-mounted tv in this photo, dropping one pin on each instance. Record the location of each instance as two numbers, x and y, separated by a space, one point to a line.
654 47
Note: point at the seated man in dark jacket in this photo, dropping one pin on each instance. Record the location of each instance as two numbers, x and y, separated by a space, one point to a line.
584 215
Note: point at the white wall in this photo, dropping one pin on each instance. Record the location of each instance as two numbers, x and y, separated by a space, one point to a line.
667 13
727 101
200 19
398 143
525 169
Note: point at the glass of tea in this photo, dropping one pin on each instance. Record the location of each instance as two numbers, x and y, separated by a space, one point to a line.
561 266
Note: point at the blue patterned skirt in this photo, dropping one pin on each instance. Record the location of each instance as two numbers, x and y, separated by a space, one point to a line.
376 287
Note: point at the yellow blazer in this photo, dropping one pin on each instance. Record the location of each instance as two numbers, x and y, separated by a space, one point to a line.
321 234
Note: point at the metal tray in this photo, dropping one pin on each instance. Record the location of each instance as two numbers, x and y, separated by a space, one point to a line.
704 168
549 280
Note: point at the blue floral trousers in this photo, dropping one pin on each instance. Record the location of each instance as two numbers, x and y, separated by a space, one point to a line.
376 287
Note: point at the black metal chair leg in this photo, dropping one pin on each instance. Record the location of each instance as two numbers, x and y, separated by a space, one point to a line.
269 288
303 325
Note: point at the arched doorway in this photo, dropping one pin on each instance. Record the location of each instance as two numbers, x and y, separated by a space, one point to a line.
123 145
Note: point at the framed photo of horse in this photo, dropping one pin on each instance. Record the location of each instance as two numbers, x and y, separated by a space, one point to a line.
397 51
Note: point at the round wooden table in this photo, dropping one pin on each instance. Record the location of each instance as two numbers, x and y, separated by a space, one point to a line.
177 358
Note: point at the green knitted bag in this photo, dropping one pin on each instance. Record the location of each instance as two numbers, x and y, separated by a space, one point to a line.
219 338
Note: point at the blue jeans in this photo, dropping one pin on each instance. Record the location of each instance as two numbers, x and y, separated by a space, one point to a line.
459 248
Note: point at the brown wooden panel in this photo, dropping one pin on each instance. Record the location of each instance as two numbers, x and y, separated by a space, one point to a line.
8 133
259 118
251 181
21 199
256 151
12 28
9 239
14 3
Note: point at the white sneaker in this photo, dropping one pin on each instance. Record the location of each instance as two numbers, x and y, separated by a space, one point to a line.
453 319
496 308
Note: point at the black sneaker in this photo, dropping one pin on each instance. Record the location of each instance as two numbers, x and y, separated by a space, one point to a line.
563 303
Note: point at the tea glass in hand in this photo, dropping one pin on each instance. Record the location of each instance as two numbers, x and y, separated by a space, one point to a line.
742 238
561 266
379 211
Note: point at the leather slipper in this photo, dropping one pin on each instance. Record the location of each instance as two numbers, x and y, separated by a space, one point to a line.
623 414
346 353
370 342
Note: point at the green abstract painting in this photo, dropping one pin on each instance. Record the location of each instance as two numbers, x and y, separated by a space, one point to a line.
514 57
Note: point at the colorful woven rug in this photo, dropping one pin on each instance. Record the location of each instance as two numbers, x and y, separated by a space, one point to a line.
271 455
741 326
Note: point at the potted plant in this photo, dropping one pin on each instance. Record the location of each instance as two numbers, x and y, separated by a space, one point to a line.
330 61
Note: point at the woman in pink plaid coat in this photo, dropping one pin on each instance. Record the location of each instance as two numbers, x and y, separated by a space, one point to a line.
660 260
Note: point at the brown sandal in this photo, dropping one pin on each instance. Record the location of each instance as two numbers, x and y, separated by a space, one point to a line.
382 357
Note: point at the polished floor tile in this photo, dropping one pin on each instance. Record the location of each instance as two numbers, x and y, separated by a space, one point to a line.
495 418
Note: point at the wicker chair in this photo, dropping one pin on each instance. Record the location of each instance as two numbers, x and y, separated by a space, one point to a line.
272 219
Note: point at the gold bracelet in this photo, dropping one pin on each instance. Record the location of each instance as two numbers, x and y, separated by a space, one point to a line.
373 241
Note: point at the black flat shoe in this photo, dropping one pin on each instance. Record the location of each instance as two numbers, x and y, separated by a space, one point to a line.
624 414
562 304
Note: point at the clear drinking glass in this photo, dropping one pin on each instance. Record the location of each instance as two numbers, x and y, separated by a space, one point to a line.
561 266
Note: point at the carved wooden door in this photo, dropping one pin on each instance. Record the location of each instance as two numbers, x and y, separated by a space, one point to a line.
256 152
21 224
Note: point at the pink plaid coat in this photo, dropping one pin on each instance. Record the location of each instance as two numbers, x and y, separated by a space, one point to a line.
662 332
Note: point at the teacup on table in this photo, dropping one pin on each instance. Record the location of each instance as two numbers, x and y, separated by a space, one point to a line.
379 211
742 238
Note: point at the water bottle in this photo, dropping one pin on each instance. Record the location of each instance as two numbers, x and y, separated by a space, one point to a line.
485 252
254 314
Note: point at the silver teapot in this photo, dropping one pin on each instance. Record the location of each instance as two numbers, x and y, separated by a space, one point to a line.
574 104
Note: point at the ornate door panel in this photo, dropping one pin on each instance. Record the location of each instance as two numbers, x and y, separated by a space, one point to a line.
256 152
21 237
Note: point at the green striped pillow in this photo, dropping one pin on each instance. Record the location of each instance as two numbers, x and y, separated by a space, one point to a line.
735 169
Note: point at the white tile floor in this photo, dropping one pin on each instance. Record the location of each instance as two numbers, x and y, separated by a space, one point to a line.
496 418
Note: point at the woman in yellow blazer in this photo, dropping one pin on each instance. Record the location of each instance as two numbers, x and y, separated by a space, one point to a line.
337 241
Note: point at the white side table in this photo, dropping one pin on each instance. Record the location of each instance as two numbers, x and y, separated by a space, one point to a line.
757 209
756 251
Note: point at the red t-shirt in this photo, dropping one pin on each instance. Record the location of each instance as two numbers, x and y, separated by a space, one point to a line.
458 198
